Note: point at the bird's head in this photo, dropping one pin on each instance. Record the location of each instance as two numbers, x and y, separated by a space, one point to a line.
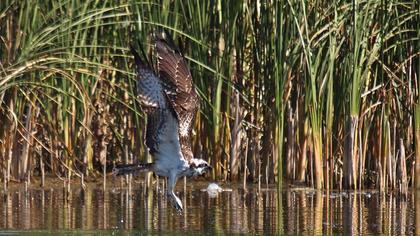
198 167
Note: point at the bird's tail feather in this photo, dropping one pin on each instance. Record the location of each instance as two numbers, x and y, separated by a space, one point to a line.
125 169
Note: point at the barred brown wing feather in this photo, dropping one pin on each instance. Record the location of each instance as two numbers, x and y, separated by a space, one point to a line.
172 67
176 77
186 122
177 82
150 91
162 125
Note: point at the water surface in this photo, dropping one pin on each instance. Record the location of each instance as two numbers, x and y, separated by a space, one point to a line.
146 210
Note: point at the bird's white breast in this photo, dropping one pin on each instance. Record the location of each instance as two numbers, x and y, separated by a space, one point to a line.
168 158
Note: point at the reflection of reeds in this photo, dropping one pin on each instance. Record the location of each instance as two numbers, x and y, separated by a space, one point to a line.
337 82
318 213
305 212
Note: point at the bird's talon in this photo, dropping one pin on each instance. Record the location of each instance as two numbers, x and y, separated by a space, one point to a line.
176 202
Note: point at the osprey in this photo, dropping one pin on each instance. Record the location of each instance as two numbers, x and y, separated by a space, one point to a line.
170 101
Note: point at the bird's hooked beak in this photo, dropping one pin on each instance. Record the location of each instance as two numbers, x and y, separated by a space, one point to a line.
207 169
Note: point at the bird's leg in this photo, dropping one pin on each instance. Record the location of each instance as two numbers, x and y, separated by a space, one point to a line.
176 202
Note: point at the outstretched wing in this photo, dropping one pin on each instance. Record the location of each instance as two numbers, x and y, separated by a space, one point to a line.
177 82
162 125
149 87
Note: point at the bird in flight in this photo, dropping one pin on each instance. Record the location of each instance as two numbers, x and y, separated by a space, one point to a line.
168 97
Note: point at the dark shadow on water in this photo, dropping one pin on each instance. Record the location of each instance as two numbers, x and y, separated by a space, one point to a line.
147 211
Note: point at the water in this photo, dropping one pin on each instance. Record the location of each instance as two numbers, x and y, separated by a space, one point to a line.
146 211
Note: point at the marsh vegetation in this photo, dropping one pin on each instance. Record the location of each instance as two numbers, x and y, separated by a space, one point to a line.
319 92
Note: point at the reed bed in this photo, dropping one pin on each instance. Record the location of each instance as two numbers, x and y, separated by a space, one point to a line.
323 93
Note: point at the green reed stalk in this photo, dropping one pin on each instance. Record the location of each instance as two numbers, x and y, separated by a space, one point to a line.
280 41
